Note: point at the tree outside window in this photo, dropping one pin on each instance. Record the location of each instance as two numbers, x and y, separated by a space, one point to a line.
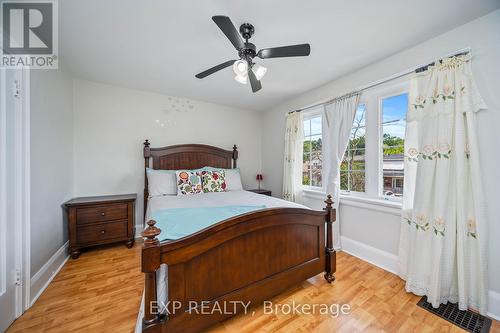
312 164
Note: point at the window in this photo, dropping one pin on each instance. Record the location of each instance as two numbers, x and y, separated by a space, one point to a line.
393 124
313 158
373 163
352 169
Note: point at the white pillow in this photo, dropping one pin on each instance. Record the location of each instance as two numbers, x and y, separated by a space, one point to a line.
233 178
161 182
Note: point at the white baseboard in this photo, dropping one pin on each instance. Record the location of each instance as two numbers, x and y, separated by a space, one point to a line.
494 305
374 256
138 229
389 262
49 270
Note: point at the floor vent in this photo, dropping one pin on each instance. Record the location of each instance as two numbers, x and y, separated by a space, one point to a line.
467 320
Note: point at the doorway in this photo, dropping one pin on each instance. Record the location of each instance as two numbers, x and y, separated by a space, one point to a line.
14 195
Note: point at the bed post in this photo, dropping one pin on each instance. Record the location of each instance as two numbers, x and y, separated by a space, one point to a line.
235 156
147 155
150 262
331 258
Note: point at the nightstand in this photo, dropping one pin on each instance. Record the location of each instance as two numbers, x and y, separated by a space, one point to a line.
261 191
100 220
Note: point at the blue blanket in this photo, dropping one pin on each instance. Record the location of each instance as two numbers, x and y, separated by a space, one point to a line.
176 223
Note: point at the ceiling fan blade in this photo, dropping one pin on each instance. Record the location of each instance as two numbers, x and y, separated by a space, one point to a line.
227 27
285 51
256 85
214 69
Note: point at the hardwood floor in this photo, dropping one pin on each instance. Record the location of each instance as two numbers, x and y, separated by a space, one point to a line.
101 292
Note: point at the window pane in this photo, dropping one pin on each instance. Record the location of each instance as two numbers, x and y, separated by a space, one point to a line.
357 181
316 176
316 143
343 180
353 165
305 177
358 131
307 146
307 128
357 160
316 126
394 108
312 156
305 168
359 122
393 131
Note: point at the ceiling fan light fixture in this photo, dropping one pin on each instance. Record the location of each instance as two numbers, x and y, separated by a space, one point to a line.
259 71
243 79
243 66
240 67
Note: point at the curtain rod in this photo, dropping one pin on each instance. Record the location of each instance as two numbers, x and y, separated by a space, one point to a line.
417 69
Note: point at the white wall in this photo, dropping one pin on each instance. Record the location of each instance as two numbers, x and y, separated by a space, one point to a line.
51 161
111 124
381 230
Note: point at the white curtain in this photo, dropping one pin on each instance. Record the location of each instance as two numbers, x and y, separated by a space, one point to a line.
292 167
337 125
443 243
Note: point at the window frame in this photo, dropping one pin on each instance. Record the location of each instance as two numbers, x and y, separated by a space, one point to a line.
372 98
308 115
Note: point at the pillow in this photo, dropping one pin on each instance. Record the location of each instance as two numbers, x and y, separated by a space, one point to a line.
233 178
188 182
161 182
214 181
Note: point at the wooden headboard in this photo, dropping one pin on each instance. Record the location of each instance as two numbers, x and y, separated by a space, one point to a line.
189 156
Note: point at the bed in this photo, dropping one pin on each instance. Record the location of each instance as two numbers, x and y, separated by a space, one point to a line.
267 248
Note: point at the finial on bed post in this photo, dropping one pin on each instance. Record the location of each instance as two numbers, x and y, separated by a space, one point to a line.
150 234
150 263
331 255
235 155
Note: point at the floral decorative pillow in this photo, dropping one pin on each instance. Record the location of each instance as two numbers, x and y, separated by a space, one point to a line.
214 180
188 182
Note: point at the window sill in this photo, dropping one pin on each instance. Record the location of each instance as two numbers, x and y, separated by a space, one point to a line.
381 205
314 194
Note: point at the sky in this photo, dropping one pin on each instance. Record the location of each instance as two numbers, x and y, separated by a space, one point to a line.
394 115
313 127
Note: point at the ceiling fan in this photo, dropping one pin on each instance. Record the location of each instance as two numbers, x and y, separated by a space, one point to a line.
244 68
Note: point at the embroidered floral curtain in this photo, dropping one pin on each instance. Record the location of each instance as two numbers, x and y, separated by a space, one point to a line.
443 243
292 168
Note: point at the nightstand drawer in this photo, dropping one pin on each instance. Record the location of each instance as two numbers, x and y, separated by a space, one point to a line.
108 212
103 231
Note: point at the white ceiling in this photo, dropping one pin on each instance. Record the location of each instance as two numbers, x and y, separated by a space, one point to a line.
159 45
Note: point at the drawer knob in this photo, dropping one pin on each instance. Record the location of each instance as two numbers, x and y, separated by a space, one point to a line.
103 213
102 232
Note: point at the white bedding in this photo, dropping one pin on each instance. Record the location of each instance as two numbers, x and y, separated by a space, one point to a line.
216 199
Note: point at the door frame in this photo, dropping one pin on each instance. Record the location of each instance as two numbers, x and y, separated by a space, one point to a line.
22 181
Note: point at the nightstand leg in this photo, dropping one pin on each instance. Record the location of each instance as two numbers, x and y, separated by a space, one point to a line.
130 243
75 253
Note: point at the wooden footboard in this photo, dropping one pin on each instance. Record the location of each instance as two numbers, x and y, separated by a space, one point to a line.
248 258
